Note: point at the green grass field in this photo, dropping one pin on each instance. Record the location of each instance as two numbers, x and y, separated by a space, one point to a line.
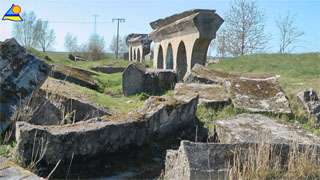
297 72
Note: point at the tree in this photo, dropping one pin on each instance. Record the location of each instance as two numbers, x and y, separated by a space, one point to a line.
70 43
122 44
289 33
27 31
113 44
47 36
96 47
244 25
221 44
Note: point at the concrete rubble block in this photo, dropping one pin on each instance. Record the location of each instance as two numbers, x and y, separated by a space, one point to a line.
108 69
74 75
257 128
212 161
21 76
201 74
209 94
166 115
137 79
310 102
257 94
126 56
9 170
56 102
159 117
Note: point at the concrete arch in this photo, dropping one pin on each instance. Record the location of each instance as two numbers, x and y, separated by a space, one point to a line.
169 57
181 66
160 58
199 52
138 55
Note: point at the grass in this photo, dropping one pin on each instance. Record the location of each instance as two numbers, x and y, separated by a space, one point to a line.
297 73
62 58
110 85
264 162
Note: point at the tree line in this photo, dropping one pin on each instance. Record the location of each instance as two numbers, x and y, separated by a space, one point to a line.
34 32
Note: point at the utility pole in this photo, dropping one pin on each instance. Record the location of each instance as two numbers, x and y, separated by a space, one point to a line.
95 23
119 21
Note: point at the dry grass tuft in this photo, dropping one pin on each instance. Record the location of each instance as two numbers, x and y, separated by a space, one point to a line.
265 161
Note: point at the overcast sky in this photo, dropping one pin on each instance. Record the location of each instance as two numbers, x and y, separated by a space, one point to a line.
76 17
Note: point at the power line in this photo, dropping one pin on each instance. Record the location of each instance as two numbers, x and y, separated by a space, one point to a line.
119 21
80 22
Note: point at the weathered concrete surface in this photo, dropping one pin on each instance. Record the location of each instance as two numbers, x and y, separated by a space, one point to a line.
78 76
139 46
212 161
209 94
159 117
9 170
108 69
182 40
258 93
257 128
310 102
137 79
21 75
204 75
58 102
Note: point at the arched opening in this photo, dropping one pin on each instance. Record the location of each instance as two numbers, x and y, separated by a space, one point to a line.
134 54
199 52
181 61
160 58
138 56
169 58
130 58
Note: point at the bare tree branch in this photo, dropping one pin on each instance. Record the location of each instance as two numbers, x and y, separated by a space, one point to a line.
289 34
244 29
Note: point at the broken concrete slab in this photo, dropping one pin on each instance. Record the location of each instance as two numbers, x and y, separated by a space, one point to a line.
256 93
209 94
310 102
201 74
159 117
108 69
9 170
21 75
259 95
257 128
58 103
78 76
213 161
137 79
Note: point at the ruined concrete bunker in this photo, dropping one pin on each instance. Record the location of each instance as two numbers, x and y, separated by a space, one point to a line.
139 46
182 40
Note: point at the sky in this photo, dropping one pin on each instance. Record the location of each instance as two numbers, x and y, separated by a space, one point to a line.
76 17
